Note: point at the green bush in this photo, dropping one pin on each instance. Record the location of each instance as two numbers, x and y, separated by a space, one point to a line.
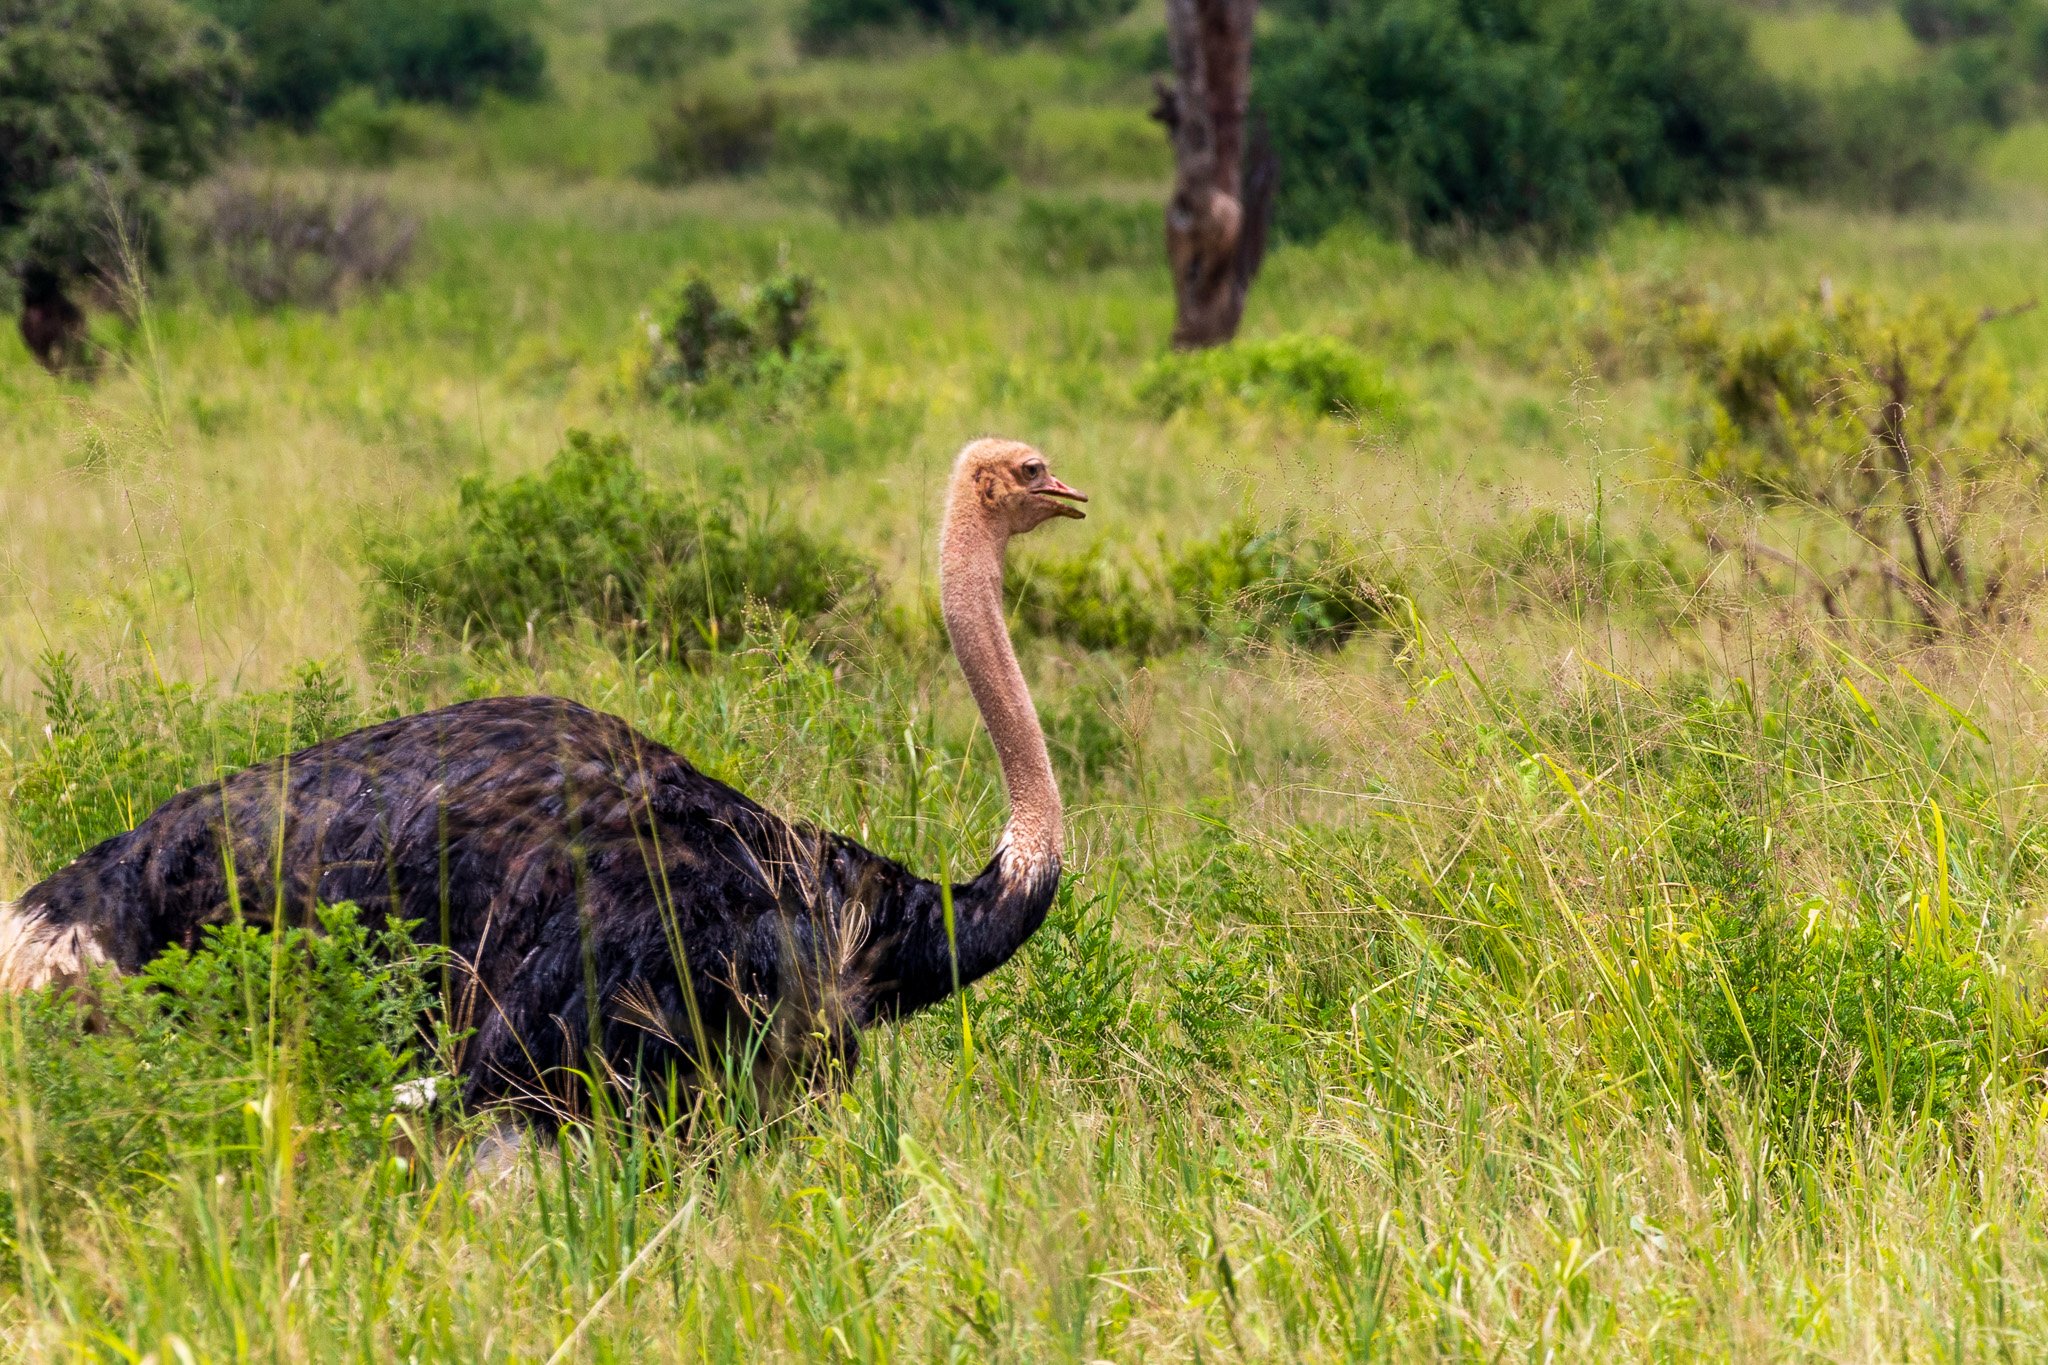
1443 119
1284 582
1312 374
663 49
825 24
924 167
1889 425
1099 600
1066 237
587 540
712 133
1249 582
204 1058
305 53
365 129
704 357
1898 143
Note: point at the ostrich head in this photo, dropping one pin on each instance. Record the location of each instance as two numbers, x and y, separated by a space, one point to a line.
1008 489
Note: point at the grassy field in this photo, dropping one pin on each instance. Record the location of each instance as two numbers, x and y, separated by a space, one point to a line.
1601 955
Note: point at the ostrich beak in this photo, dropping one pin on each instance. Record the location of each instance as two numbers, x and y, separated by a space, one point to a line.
1053 488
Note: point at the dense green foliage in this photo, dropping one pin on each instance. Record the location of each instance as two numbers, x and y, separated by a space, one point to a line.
101 103
1282 584
712 133
830 23
218 1058
924 166
588 540
1540 117
704 357
304 53
1891 423
661 49
1316 375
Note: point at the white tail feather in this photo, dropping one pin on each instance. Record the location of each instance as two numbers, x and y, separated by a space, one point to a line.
35 953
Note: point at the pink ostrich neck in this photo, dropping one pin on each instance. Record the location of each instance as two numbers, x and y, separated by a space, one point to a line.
971 550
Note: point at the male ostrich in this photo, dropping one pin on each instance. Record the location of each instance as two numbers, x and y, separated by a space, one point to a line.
598 894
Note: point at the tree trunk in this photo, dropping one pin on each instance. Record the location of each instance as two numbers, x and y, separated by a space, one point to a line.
51 324
1223 167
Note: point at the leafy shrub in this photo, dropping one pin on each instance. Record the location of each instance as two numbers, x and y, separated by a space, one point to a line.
1884 423
664 48
279 247
305 53
587 540
1098 600
1281 582
194 1060
712 134
1313 374
923 167
1066 237
1897 143
826 24
1539 118
366 130
703 356
1248 582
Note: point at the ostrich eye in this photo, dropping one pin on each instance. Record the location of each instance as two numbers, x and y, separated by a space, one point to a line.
1033 469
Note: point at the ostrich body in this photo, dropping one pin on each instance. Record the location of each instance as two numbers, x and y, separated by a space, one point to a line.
590 885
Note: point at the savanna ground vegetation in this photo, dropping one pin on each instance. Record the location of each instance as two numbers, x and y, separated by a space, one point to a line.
1554 716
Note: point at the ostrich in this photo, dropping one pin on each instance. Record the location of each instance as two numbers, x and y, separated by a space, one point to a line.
600 899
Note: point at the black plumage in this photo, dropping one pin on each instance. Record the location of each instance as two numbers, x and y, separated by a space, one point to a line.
590 884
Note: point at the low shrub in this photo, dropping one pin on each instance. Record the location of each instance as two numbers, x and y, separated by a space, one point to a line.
367 130
453 53
587 540
712 133
1067 237
1249 582
1098 599
207 1057
662 49
1948 21
1888 425
827 24
1312 374
1898 143
923 168
282 248
1284 582
703 357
